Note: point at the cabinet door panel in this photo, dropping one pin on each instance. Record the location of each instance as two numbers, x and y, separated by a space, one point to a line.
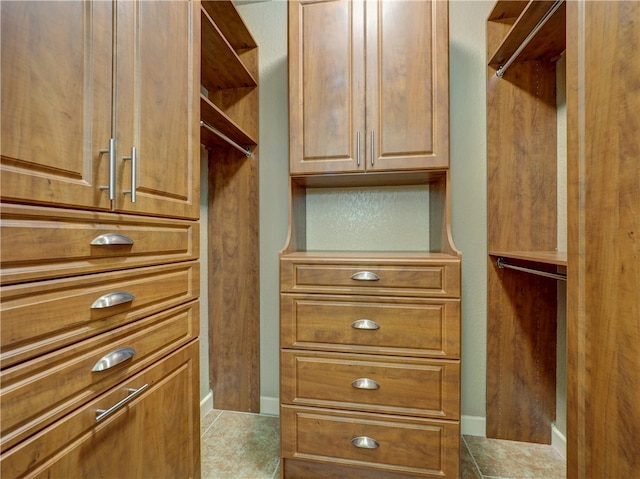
407 85
157 107
326 82
56 102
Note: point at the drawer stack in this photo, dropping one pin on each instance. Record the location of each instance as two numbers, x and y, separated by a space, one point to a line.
370 365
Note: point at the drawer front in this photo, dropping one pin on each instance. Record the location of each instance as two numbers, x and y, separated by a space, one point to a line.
40 317
396 444
426 279
37 392
41 243
424 328
414 387
87 446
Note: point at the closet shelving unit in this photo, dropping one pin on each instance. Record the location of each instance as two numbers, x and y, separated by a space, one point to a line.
229 131
524 41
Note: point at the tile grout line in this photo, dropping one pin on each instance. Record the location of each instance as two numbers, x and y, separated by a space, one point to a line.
475 463
211 425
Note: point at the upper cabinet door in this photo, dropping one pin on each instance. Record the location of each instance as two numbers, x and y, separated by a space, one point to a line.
368 96
157 108
326 86
407 85
56 102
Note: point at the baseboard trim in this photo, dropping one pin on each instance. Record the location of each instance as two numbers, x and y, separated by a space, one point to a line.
269 406
206 404
473 426
559 441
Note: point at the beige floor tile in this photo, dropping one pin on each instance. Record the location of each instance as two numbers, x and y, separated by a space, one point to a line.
468 467
515 460
208 420
241 446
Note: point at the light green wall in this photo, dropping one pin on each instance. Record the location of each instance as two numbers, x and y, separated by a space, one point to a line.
267 21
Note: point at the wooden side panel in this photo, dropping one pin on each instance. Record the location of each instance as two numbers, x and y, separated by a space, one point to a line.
234 280
603 324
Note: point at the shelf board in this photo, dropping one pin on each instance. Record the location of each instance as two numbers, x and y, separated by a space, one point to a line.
558 258
547 44
507 10
221 65
382 256
228 20
216 118
362 179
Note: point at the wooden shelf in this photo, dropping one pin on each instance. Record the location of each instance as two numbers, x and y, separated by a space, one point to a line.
547 44
230 23
216 118
392 257
221 66
558 258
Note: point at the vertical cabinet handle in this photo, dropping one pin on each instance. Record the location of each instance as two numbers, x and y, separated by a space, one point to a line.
358 148
112 359
103 413
112 169
134 170
372 147
365 324
365 442
365 276
365 383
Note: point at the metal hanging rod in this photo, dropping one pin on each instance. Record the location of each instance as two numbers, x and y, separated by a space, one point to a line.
559 276
503 68
244 150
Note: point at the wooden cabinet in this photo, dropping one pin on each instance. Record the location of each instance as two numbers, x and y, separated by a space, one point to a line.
99 295
368 86
79 117
370 364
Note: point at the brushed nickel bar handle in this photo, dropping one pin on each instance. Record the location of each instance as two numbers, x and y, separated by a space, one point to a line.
112 299
112 359
108 239
365 442
365 276
365 383
365 324
358 148
103 413
112 169
372 147
134 173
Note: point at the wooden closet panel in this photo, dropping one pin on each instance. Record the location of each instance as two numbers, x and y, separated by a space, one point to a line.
56 108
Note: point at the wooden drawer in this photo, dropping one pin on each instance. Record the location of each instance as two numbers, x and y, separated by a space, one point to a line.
416 327
408 386
79 446
37 392
43 316
40 243
414 446
402 275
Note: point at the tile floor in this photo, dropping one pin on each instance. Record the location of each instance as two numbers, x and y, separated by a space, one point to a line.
239 445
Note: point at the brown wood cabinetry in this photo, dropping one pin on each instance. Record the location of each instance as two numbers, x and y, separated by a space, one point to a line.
99 296
368 86
77 118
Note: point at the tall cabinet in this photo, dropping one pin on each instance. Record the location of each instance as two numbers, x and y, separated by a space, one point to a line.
601 266
370 341
100 272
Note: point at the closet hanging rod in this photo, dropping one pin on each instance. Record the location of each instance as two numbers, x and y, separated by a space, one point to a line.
244 150
502 264
503 68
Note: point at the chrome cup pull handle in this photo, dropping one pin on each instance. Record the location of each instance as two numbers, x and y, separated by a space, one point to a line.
365 442
113 359
103 413
112 168
134 172
108 239
365 383
365 276
112 299
365 324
